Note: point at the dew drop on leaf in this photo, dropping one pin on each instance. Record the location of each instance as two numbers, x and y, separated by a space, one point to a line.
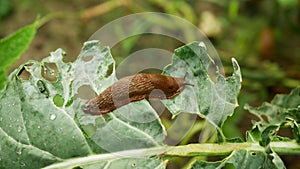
22 164
52 117
19 152
202 44
19 129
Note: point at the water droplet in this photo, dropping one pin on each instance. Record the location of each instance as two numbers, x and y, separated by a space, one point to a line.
202 44
19 152
19 129
52 117
22 164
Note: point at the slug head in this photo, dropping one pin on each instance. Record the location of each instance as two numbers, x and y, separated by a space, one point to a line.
91 107
173 86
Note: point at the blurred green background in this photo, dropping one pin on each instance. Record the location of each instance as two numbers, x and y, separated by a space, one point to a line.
263 36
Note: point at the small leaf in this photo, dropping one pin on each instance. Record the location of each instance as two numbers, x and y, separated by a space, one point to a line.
254 135
213 100
284 110
267 133
13 46
249 159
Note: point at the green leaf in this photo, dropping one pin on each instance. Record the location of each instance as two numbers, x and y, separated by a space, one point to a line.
283 111
249 159
213 100
13 46
33 128
42 121
205 165
254 135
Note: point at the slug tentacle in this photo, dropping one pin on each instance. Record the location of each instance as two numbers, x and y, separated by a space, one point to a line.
135 88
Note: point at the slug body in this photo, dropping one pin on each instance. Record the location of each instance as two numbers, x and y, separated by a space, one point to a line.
135 88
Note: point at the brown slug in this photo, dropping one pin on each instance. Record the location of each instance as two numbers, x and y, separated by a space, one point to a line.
135 88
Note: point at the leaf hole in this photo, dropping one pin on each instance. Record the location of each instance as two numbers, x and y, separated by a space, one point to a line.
152 71
77 167
42 88
212 71
86 92
285 132
157 105
49 71
265 118
23 73
272 132
133 165
110 70
87 58
253 153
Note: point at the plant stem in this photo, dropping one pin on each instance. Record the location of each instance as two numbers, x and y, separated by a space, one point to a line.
286 148
290 148
209 149
110 156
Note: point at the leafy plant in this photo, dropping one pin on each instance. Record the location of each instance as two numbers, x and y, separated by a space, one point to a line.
42 123
13 46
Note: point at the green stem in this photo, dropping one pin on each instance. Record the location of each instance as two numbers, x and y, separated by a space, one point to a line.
209 149
111 156
287 148
290 148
